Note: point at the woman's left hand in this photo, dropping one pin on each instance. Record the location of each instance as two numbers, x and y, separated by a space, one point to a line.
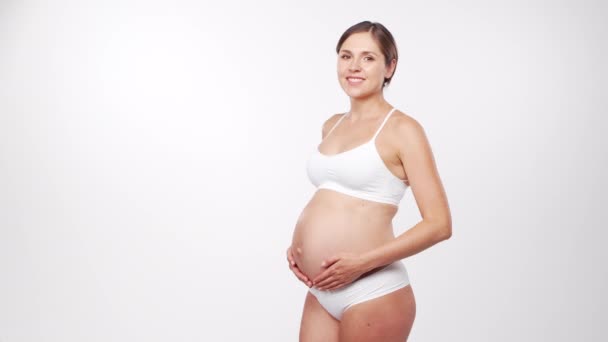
340 270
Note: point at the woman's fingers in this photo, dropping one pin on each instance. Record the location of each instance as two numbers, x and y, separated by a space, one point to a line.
290 256
336 284
324 282
322 278
300 275
330 261
296 270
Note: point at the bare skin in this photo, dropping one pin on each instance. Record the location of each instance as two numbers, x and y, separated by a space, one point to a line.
339 238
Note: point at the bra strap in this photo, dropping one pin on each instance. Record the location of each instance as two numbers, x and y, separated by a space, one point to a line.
335 125
383 122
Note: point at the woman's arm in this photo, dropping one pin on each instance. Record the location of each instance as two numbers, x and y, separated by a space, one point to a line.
436 224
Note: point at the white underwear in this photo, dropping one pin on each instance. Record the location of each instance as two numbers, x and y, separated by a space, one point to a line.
388 279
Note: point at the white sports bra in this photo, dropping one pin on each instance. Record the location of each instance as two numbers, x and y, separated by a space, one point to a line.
358 172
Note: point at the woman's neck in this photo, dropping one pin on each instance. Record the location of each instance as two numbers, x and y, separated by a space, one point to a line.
368 108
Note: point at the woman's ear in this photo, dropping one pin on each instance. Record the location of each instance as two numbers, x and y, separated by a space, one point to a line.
390 69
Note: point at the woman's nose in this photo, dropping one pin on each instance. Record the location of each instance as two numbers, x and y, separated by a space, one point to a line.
354 64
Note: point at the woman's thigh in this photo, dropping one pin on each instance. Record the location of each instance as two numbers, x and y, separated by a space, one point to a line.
386 318
317 324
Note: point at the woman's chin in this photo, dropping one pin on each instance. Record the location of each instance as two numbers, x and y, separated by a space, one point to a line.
355 93
358 94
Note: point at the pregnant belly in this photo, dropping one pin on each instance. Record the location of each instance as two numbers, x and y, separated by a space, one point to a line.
316 241
324 230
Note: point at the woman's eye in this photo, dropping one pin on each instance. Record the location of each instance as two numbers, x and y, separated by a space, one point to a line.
369 58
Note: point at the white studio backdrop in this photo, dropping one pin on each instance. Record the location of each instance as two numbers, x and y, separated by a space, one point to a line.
152 164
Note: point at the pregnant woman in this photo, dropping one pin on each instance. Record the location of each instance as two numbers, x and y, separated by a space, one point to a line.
344 248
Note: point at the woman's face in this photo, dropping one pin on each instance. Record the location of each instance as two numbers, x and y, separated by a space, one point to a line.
361 68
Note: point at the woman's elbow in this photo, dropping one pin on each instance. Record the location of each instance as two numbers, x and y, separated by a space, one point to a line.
444 230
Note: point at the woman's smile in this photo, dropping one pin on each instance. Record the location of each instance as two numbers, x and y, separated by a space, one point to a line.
354 80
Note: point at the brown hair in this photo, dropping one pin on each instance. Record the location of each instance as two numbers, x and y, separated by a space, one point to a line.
383 38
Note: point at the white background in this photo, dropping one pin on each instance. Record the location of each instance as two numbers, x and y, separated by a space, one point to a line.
152 162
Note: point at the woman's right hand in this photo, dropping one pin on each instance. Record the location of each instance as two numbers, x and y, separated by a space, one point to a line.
295 269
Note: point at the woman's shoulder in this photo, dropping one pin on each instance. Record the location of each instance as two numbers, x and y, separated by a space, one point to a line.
403 122
407 131
331 121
